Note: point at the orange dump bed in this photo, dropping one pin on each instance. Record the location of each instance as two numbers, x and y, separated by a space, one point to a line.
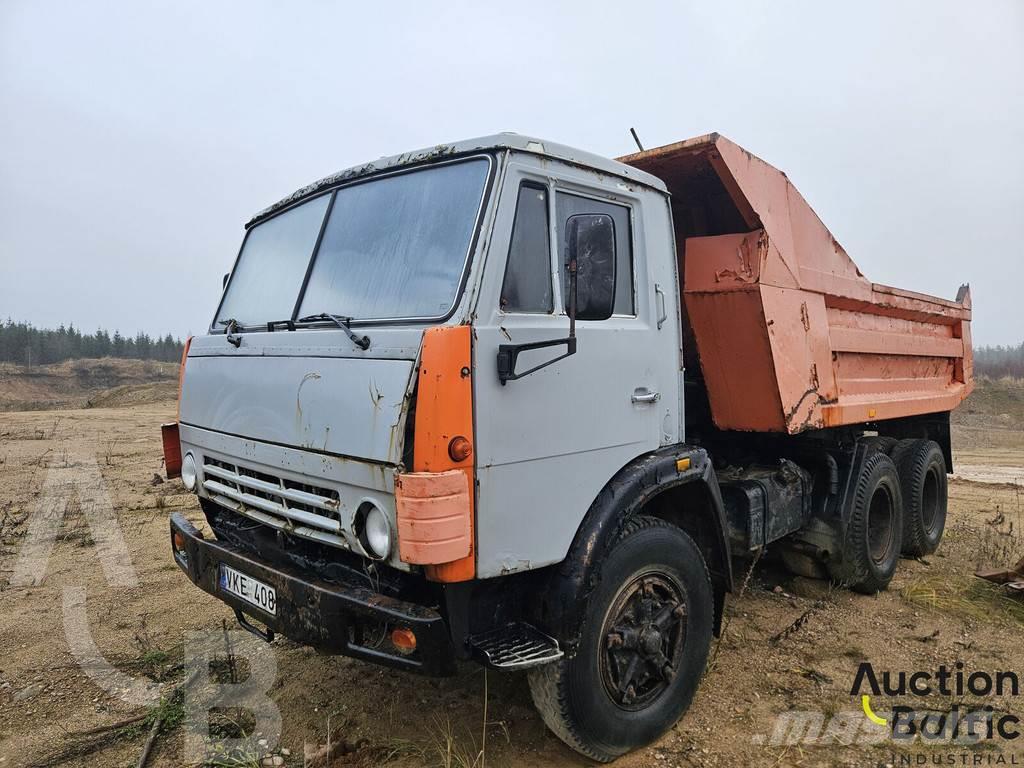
790 335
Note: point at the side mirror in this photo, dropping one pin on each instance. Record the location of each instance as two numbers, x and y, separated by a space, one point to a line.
224 281
590 253
590 289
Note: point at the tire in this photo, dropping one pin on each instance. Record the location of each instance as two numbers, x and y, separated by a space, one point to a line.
922 471
581 699
874 532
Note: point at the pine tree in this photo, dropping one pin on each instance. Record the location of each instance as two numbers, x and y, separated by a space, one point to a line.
23 344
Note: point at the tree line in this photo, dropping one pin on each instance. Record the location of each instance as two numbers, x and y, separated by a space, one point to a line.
999 361
24 344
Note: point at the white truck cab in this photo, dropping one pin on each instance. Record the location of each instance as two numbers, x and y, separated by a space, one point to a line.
439 415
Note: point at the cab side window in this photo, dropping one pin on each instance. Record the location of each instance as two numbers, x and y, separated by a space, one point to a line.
567 205
527 283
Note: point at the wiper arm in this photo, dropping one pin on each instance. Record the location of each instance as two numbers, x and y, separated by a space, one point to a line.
363 342
231 331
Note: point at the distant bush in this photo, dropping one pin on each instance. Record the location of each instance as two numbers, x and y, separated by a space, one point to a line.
25 344
997 362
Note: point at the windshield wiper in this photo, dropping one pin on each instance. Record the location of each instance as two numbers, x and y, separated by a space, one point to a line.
231 331
363 342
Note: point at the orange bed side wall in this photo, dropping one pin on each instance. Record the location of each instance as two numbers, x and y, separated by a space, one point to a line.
790 335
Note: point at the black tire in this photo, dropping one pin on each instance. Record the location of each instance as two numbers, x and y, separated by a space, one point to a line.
874 532
579 698
922 470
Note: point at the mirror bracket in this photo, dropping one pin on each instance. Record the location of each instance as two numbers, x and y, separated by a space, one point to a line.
591 226
508 355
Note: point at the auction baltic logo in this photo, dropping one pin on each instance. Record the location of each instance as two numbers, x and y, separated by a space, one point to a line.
958 724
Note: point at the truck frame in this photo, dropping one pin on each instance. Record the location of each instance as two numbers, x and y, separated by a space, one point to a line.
508 401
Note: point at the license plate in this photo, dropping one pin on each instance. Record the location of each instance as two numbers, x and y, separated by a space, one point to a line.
263 596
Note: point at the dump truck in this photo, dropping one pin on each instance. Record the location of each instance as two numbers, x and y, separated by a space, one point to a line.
510 402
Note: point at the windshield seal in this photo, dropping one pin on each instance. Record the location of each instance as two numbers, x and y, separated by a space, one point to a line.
216 327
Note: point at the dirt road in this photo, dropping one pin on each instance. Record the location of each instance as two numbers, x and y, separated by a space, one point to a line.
790 643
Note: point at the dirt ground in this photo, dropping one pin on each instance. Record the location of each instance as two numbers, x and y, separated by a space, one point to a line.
105 382
790 644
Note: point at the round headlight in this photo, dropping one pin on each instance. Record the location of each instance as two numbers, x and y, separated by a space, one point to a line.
376 538
189 472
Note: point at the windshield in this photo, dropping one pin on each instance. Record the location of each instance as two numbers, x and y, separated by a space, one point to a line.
395 247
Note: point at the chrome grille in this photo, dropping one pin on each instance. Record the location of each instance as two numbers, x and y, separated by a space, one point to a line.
305 510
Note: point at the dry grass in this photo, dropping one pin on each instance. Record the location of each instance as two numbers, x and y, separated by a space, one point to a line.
967 597
449 750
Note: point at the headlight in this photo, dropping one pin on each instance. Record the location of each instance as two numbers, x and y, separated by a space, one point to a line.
189 472
376 534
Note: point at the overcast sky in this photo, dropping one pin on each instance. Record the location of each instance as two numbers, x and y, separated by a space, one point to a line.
136 138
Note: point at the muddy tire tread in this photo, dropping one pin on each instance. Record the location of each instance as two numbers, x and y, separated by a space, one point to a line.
912 458
853 569
548 687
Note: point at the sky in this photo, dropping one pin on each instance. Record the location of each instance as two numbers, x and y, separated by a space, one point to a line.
137 138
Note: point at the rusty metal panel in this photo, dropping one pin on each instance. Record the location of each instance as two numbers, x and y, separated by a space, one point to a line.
790 335
733 337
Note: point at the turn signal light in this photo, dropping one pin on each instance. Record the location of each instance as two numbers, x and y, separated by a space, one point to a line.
403 639
178 545
460 449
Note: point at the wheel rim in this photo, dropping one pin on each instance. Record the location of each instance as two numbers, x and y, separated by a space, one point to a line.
643 636
880 526
930 499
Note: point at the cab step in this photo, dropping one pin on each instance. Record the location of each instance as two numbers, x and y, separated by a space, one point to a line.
515 646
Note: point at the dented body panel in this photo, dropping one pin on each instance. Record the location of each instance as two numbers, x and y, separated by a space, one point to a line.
790 335
340 406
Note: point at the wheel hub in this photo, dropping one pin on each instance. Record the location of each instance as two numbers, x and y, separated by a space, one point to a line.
650 641
644 634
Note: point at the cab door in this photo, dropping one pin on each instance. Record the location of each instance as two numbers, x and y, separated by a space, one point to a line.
548 442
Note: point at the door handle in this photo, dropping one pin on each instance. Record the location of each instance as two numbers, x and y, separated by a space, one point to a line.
659 302
644 395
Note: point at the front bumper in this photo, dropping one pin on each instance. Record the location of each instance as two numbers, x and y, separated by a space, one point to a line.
341 619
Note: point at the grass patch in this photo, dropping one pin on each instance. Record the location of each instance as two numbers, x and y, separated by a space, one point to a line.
971 598
402 749
244 757
155 658
449 751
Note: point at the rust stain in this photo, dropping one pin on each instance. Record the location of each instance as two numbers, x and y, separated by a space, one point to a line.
298 394
761 303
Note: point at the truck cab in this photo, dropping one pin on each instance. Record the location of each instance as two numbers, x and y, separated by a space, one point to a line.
439 415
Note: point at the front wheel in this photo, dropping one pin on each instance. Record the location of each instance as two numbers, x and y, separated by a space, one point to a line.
643 646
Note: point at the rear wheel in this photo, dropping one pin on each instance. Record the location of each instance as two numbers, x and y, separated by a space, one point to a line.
874 532
922 470
643 646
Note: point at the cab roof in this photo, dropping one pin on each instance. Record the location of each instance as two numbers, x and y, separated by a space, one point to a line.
501 141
